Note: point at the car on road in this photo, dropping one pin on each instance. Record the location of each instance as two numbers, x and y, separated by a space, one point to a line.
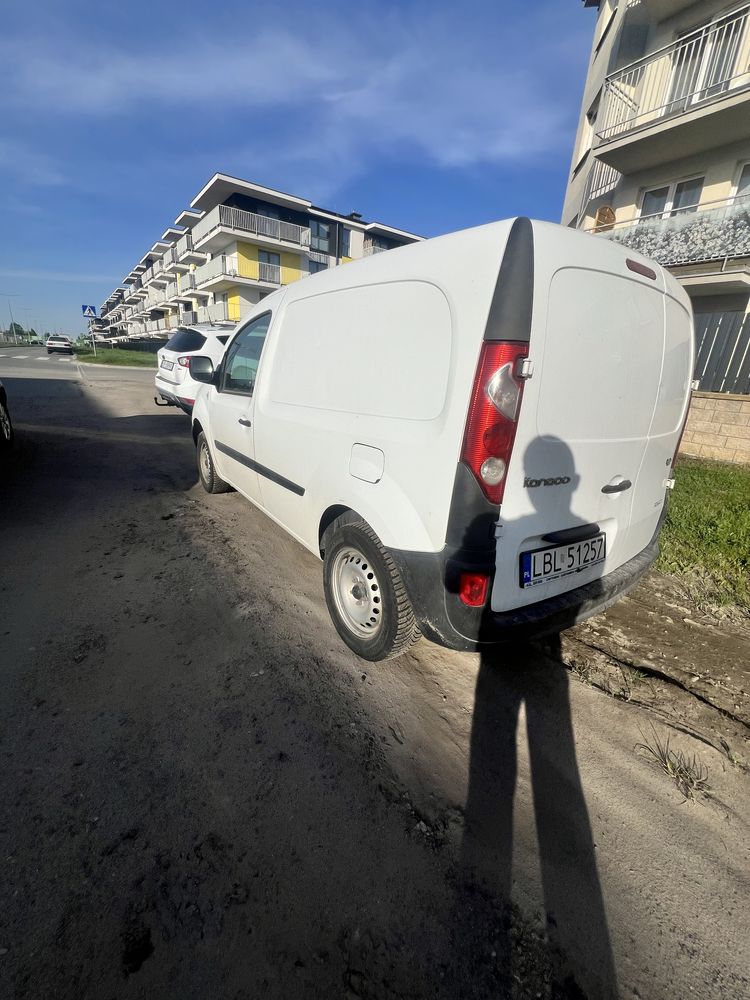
6 427
173 381
59 344
475 433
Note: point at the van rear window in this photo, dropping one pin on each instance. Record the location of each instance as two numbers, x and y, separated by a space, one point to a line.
186 340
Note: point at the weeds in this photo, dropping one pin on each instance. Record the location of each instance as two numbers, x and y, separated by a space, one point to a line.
688 774
706 537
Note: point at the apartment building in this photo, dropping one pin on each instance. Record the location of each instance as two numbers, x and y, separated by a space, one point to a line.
236 243
661 163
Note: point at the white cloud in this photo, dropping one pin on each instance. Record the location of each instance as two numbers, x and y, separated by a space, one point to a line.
453 90
62 276
28 165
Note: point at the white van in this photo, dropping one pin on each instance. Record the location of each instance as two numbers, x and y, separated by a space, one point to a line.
475 433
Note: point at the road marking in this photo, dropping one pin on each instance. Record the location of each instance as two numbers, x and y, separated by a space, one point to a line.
20 357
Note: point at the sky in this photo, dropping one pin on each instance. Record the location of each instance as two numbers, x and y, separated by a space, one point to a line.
422 114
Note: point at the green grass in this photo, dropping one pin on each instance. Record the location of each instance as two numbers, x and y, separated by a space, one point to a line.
706 537
116 356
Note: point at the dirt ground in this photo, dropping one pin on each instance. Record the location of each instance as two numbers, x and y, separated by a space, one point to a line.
204 794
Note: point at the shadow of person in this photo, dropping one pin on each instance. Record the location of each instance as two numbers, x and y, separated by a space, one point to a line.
531 677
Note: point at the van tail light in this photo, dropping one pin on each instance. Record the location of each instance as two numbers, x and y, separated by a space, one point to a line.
472 589
493 415
184 362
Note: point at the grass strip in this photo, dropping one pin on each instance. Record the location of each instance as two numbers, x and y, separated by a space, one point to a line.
706 537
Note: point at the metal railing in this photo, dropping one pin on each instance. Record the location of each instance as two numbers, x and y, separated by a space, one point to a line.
186 282
711 231
169 257
219 312
183 246
700 68
248 222
232 267
370 248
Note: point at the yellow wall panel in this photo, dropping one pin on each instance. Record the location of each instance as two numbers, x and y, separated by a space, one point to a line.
247 261
233 305
290 268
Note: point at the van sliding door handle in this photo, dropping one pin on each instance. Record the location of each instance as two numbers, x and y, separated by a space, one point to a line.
248 423
618 487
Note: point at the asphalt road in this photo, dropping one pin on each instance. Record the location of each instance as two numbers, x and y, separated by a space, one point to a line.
203 794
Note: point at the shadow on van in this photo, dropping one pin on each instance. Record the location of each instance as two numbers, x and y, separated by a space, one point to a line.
530 678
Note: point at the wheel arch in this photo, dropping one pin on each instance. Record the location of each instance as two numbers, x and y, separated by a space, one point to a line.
197 428
331 514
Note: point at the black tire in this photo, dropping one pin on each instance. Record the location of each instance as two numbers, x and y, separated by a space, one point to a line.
49 352
210 479
355 556
6 428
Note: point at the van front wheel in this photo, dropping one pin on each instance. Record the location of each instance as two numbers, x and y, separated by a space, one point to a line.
210 480
365 594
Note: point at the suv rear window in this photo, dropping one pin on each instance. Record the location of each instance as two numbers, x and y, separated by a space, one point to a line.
186 340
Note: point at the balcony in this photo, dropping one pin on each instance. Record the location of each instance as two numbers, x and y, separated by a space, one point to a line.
169 260
696 234
687 97
185 253
219 312
223 272
213 230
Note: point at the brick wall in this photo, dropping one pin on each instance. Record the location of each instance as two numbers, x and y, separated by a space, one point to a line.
718 427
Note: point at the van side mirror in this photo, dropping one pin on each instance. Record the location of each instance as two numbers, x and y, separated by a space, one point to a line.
202 369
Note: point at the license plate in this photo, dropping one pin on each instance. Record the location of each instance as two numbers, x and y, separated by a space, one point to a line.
169 365
556 561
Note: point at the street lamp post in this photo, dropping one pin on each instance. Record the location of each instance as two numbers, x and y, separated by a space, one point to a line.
9 296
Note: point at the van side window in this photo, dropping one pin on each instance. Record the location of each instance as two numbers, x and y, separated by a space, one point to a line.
243 357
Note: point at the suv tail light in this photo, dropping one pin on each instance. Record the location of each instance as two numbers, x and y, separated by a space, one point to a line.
184 362
493 414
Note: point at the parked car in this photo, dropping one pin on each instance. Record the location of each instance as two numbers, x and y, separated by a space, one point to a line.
6 427
173 381
475 433
62 345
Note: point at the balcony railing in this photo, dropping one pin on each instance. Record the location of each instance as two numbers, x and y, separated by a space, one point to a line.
219 312
183 246
249 222
700 68
231 267
168 258
370 248
712 231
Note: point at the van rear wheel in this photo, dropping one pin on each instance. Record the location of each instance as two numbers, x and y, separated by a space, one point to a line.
210 480
365 594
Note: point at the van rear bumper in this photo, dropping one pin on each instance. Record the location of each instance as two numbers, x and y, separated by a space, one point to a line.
432 582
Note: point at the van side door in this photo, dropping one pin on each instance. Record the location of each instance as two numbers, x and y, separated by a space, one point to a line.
232 407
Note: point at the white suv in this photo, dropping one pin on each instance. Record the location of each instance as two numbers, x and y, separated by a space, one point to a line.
173 382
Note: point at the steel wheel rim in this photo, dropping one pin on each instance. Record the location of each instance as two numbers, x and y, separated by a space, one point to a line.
356 593
205 462
4 422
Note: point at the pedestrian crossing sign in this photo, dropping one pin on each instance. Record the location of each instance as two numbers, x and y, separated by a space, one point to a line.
89 312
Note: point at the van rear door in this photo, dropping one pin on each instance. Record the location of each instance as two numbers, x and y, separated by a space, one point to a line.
611 349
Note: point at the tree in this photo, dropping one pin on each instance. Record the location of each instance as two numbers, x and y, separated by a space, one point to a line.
16 330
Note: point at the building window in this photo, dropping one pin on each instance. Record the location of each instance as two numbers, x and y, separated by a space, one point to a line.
320 235
269 258
345 241
671 199
743 184
317 265
268 211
